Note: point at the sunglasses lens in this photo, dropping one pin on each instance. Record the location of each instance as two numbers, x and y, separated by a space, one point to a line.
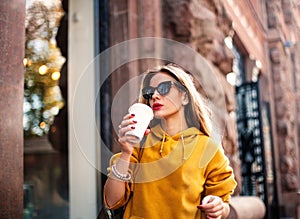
148 92
164 88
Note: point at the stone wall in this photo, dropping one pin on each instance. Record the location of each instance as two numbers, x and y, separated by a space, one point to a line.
284 51
284 70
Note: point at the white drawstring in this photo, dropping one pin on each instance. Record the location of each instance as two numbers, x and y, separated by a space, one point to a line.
162 144
183 146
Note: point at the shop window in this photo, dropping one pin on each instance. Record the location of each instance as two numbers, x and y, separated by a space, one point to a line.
45 163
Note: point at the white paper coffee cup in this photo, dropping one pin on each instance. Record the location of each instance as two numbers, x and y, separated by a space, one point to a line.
143 115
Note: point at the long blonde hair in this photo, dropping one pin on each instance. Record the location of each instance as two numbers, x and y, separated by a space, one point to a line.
196 111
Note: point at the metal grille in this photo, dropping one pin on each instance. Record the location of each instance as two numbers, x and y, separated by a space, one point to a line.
250 139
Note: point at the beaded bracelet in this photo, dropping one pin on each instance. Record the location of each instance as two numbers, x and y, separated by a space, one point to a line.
123 177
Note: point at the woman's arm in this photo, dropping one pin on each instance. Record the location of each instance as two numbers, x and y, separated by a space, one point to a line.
114 188
220 184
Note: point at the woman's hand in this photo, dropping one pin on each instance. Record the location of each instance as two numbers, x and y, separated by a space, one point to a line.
213 207
126 125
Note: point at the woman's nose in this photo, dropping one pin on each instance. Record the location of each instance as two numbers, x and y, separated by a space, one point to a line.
155 94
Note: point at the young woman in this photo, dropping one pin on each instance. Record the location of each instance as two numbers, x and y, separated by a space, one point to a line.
178 172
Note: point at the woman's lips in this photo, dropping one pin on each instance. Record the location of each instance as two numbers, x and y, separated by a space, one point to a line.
157 106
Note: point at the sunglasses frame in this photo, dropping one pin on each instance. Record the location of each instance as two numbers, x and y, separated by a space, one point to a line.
148 95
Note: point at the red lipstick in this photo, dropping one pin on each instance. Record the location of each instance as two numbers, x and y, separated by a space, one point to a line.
157 106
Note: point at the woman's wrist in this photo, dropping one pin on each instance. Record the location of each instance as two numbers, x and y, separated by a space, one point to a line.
119 174
125 155
122 164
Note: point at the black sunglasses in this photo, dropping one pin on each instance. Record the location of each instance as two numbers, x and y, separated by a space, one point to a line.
163 89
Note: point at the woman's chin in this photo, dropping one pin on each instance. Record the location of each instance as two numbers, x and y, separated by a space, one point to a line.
157 115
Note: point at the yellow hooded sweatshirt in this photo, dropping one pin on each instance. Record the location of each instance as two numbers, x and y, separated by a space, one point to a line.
171 174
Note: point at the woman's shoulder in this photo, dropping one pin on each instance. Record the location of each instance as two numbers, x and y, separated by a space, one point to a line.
211 148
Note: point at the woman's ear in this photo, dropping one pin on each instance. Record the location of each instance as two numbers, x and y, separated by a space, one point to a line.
185 99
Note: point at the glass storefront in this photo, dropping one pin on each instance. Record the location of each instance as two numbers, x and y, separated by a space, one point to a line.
46 184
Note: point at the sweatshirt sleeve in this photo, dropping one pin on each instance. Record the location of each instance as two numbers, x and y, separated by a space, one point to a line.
219 177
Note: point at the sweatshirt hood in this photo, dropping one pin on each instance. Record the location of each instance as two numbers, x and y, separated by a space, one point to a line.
189 134
164 144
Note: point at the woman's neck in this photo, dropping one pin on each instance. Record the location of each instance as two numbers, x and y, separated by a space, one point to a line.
173 127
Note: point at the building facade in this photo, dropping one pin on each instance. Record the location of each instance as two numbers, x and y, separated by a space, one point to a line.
258 41
251 47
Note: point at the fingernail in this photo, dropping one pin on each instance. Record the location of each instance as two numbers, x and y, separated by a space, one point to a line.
134 121
132 127
132 114
200 206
